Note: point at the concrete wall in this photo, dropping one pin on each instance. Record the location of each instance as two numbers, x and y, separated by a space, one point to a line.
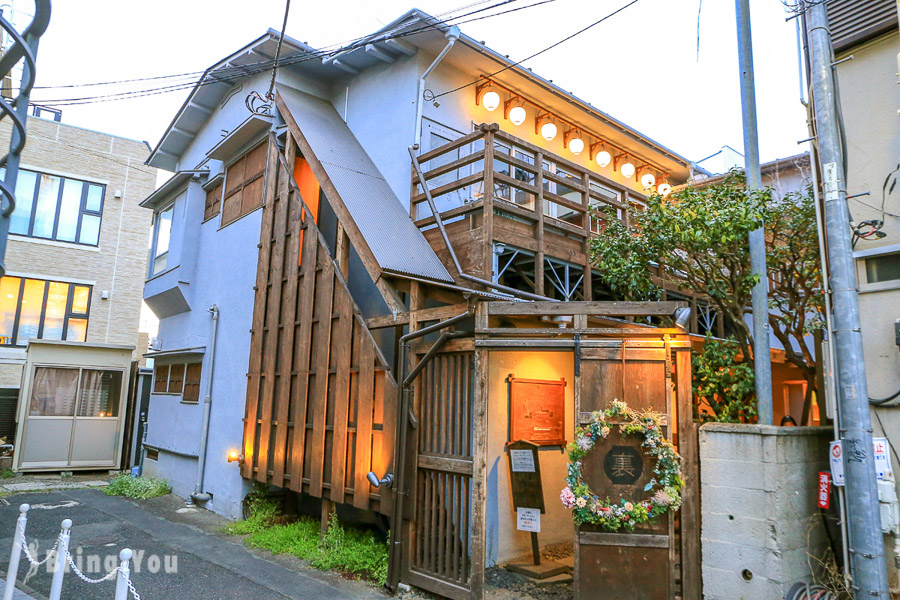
118 263
504 542
760 519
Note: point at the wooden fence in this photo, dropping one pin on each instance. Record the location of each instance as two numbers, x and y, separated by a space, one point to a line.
321 399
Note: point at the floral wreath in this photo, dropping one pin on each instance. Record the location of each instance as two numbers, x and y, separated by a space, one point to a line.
665 487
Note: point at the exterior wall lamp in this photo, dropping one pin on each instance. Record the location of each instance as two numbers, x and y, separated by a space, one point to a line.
664 188
647 179
234 456
545 126
624 166
514 110
573 141
487 97
600 154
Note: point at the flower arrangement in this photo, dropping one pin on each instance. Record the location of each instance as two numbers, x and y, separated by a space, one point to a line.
665 486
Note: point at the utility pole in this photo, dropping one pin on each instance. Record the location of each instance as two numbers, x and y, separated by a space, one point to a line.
760 293
868 568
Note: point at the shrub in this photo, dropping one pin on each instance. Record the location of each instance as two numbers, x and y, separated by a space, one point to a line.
139 488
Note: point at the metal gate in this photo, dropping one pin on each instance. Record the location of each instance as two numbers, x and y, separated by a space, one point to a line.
439 557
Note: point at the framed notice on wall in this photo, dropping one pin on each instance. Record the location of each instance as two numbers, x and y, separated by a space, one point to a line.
537 411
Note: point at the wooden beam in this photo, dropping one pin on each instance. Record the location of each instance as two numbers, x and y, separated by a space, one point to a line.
426 314
595 308
487 215
556 332
539 226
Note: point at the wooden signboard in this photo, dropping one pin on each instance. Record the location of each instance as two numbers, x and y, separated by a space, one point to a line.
537 411
525 475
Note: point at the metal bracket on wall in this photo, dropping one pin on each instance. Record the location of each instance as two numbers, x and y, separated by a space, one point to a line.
577 352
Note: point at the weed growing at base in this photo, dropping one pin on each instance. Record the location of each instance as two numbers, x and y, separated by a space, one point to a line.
344 549
7 473
139 488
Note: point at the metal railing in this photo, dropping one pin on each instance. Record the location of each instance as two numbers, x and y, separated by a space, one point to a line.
61 561
23 48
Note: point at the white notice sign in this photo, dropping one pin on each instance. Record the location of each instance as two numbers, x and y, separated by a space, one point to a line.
529 519
837 463
522 461
882 461
880 449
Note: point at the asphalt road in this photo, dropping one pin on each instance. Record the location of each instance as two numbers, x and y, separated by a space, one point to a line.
181 555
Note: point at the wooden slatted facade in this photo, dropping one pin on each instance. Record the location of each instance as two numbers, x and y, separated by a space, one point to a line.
320 409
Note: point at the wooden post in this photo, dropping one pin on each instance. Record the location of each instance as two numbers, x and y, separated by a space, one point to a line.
586 223
539 226
479 462
688 447
326 512
487 215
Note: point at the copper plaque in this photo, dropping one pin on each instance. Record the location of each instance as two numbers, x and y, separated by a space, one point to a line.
537 411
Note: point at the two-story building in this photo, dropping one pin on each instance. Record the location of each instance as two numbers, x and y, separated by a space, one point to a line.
413 176
77 246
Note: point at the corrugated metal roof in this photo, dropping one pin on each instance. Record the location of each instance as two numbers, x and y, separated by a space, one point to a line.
396 242
853 22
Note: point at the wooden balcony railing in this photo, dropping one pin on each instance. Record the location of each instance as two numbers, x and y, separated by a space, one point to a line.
511 191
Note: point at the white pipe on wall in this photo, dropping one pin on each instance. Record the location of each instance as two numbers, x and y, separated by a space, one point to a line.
452 35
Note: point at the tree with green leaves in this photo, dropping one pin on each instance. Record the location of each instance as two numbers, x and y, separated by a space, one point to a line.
697 239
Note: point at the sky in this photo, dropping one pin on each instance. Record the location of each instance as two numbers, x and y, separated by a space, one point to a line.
641 66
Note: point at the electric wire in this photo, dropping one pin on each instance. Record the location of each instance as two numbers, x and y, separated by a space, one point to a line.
229 73
539 52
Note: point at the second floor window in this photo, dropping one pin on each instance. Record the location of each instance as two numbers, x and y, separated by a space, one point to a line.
49 310
162 235
57 208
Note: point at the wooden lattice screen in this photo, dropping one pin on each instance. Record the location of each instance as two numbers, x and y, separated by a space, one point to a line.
321 400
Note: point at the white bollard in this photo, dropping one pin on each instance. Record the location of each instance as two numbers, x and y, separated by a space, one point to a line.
62 550
123 575
18 541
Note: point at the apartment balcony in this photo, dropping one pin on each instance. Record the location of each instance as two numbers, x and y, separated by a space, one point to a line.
532 230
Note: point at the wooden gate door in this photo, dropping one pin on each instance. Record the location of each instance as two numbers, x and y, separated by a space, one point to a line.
647 563
440 557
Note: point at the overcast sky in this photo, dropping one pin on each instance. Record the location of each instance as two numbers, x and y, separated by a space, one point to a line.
641 66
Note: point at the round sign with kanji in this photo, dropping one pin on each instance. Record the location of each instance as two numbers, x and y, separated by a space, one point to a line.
623 468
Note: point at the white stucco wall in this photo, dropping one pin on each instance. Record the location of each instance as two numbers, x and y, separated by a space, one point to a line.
503 541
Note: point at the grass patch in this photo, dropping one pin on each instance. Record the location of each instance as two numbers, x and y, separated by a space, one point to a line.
7 473
343 548
139 488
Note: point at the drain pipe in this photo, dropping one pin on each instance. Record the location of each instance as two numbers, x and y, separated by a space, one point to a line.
440 224
199 495
405 415
452 35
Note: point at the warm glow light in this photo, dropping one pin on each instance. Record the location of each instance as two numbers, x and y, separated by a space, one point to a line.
517 115
664 189
576 145
647 180
627 170
491 100
603 158
549 131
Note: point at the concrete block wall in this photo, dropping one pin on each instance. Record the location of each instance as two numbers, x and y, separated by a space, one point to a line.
761 523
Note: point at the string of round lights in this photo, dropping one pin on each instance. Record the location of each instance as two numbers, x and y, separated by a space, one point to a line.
575 138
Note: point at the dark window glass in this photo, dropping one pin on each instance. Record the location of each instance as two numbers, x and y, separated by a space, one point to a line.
883 268
57 208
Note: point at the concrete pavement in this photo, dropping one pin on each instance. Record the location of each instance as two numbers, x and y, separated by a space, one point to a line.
178 552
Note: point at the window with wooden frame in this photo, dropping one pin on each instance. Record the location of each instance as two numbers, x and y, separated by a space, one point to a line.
179 379
244 181
213 201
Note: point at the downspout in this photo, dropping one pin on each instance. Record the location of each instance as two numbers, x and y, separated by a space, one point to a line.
452 35
440 224
405 418
199 495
